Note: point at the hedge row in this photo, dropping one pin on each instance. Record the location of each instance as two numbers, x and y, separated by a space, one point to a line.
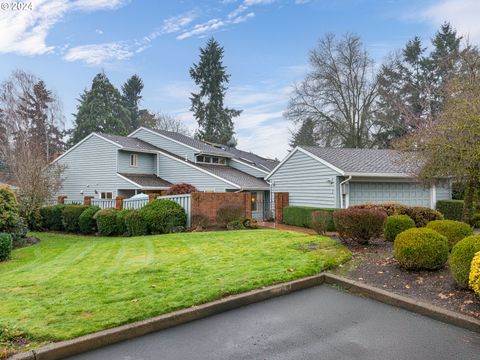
451 209
302 216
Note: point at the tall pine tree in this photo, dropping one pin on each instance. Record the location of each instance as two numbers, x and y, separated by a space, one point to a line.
101 109
131 92
215 121
306 134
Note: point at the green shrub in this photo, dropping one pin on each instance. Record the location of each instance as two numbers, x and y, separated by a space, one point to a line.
9 210
422 248
86 222
302 216
52 217
5 246
71 215
395 224
453 230
474 277
229 213
106 222
475 221
451 209
461 259
162 216
236 225
121 225
360 225
135 223
421 215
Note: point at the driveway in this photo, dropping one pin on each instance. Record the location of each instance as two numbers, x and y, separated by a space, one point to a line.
317 323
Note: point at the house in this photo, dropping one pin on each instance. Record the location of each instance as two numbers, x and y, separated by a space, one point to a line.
105 166
339 178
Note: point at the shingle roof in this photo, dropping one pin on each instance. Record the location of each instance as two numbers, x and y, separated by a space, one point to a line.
369 161
147 180
244 180
253 159
130 142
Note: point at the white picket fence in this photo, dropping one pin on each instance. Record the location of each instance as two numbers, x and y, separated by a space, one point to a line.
134 203
104 203
184 201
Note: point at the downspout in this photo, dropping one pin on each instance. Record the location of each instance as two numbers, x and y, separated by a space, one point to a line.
341 192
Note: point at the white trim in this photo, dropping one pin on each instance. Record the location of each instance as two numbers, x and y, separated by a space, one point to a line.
133 157
433 196
385 175
252 166
140 186
163 136
128 180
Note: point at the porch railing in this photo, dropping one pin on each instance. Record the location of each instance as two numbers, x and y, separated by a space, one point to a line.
104 203
134 203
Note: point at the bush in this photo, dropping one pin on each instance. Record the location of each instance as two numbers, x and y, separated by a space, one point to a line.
135 223
321 220
360 225
236 225
106 222
86 222
162 216
461 259
395 224
229 213
453 230
302 216
474 276
5 246
475 221
52 217
417 249
421 215
181 188
9 211
451 209
121 225
200 220
71 216
390 208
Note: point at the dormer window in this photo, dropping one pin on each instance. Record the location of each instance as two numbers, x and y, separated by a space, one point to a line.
207 159
134 160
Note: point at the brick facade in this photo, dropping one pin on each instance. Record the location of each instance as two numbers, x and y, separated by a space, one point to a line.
207 203
119 203
281 202
61 199
87 200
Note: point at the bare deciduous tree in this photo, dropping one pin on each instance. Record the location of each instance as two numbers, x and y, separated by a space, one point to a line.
162 121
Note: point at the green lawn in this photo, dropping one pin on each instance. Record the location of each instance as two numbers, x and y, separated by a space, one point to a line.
71 285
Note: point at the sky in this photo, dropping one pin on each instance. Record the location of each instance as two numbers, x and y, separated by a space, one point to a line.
266 42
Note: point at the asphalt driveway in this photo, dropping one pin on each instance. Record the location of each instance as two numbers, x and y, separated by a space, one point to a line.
317 323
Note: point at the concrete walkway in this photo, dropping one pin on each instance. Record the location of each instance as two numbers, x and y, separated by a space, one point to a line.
317 323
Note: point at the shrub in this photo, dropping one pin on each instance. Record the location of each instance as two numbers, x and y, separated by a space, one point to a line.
162 216
106 222
9 211
474 276
5 246
417 249
181 188
391 208
302 216
135 223
453 230
461 259
52 217
421 215
451 209
236 225
229 213
200 220
360 225
86 222
395 224
475 221
321 220
121 225
71 215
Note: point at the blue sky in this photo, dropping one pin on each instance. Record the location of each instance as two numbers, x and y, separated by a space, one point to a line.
66 42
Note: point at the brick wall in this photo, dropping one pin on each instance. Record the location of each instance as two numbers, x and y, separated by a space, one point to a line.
281 202
207 203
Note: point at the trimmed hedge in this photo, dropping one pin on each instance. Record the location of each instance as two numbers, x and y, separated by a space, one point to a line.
106 222
135 223
395 224
52 217
6 244
163 216
121 225
421 248
451 209
461 259
86 222
474 277
9 210
71 215
360 225
302 216
421 215
453 230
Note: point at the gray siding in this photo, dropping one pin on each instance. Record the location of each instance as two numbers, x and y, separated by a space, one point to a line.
246 169
89 167
176 171
308 182
146 163
444 191
165 144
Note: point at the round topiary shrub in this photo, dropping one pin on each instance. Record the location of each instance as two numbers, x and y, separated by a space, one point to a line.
461 259
121 225
106 222
135 223
396 224
71 215
474 277
453 230
86 222
422 248
5 246
162 216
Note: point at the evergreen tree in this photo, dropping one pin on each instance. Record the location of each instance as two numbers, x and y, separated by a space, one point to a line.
306 135
101 109
131 92
215 121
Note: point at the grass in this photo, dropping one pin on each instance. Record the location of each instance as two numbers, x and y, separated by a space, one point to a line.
70 285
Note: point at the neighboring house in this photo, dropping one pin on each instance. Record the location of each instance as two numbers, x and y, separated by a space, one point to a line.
13 187
106 166
339 178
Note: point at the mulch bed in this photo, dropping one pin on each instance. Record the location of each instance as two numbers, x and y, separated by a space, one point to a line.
374 265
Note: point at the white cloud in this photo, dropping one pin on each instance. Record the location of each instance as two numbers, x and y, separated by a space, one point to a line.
199 29
177 23
99 32
99 53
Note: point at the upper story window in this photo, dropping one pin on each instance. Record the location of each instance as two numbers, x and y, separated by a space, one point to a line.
207 159
106 195
134 160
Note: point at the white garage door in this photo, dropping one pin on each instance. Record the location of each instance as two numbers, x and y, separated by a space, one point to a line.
377 192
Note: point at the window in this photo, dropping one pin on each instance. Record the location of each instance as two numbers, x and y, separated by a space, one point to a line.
257 201
211 160
133 160
106 195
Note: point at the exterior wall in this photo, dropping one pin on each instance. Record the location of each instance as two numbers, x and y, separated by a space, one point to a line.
443 191
146 164
208 203
165 144
281 201
308 182
176 171
89 167
246 169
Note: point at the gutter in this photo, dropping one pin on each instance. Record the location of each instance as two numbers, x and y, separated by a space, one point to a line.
341 192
